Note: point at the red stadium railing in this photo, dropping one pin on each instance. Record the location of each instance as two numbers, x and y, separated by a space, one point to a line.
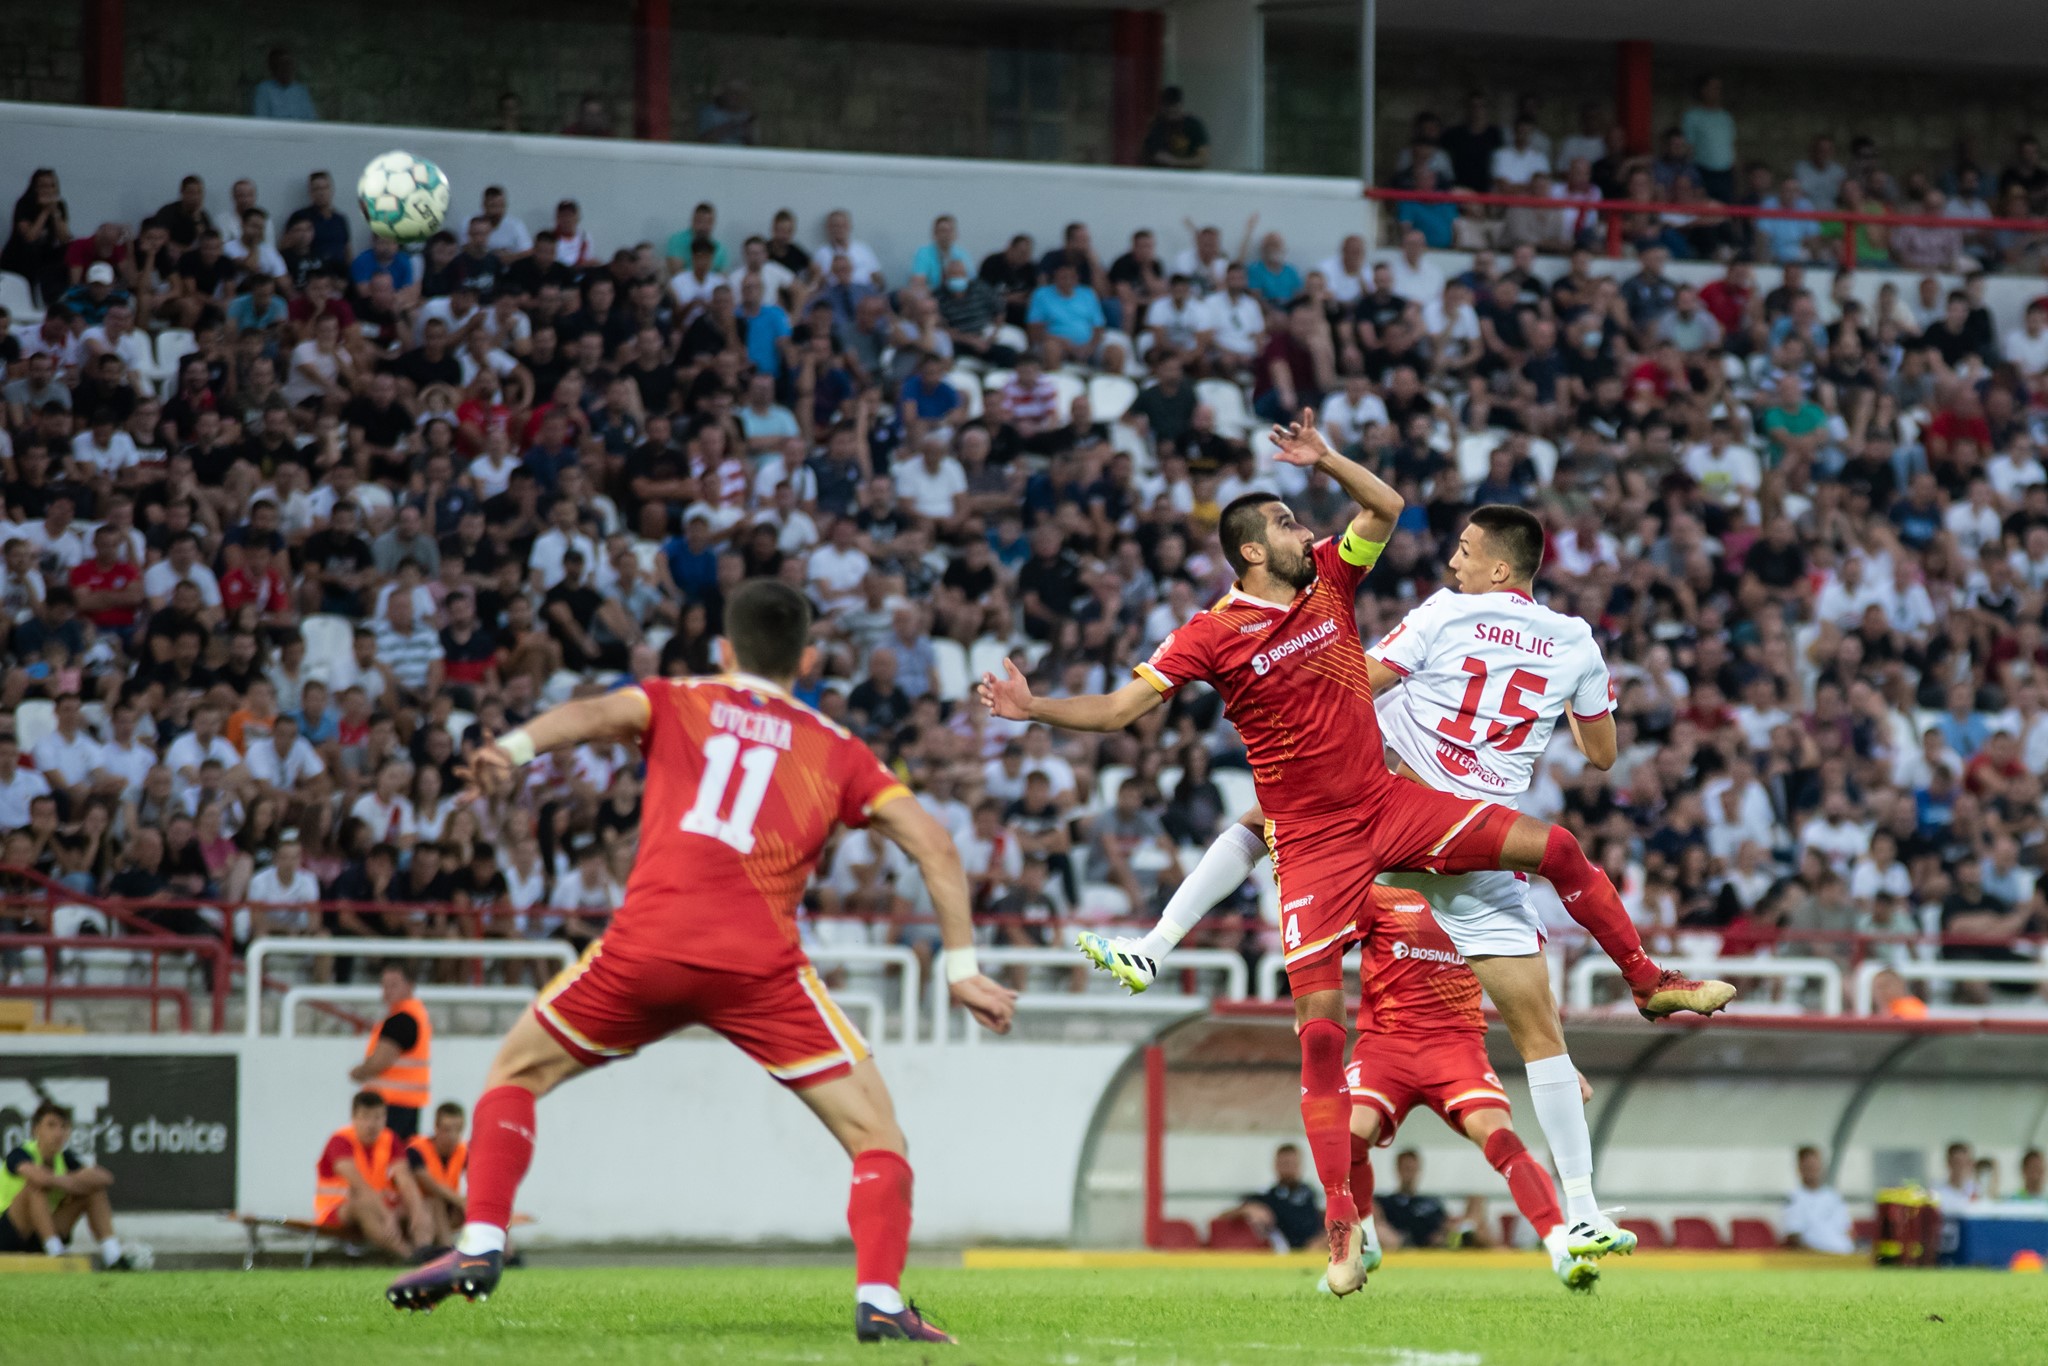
1613 212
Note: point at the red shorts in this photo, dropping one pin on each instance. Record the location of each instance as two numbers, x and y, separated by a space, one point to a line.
1326 863
1448 1072
608 1006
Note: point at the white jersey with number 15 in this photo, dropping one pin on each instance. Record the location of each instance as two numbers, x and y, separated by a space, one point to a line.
1485 677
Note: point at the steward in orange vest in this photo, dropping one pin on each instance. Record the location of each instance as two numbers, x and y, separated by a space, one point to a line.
438 1162
397 1063
360 1191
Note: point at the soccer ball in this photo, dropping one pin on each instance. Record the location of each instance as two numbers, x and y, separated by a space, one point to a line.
403 197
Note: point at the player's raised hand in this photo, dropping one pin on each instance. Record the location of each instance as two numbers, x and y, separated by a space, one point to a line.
1300 442
1009 696
489 773
990 1004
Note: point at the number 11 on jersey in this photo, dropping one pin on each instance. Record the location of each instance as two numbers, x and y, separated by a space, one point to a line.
757 766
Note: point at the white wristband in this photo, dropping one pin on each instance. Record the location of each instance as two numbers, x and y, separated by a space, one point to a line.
518 745
960 964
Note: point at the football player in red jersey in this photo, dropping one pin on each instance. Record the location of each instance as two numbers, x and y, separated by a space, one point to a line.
1283 649
1422 1041
744 785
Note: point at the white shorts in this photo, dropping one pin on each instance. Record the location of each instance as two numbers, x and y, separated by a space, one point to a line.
1485 914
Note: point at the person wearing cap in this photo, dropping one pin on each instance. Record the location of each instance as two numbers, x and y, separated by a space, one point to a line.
91 299
398 1064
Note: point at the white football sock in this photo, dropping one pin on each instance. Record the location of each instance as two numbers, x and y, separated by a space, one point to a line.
1372 1229
53 1246
1224 866
477 1239
886 1298
1554 1095
110 1250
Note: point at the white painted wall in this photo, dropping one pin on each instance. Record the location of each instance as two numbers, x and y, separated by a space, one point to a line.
691 1142
121 165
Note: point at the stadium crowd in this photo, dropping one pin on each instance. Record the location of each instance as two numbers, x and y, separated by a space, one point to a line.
291 524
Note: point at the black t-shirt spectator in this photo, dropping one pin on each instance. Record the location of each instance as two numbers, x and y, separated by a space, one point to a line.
789 256
182 226
209 280
382 425
1774 566
972 584
884 710
1297 1214
1169 415
423 370
1419 1219
1471 154
526 276
1145 277
1055 581
479 273
1009 277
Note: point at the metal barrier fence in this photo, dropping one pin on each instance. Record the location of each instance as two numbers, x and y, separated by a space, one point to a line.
262 950
1825 971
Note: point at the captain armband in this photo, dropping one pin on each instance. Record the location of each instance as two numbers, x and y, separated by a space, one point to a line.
1356 550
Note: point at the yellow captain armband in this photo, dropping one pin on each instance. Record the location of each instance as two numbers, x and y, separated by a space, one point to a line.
1356 550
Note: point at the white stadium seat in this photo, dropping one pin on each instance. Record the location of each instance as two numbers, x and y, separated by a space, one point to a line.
33 720
1111 396
969 385
330 642
1226 400
173 344
18 300
950 660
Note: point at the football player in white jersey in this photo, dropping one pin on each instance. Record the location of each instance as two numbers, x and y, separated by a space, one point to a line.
1468 689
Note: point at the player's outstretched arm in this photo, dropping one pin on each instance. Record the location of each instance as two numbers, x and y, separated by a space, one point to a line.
913 830
617 716
1302 443
1010 698
1597 740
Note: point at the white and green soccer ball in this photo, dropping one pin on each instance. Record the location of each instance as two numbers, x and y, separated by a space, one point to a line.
403 197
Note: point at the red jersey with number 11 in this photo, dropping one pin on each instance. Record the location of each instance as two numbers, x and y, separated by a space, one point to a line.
1294 684
744 786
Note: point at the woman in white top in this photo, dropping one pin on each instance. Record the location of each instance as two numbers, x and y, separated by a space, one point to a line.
430 807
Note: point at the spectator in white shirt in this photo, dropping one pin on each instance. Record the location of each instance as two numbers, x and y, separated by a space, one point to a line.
837 569
840 241
253 248
1237 321
933 486
1347 412
180 564
1816 1217
1346 273
2026 346
1178 323
1516 166
2015 469
1728 472
696 283
104 448
386 809
285 883
204 741
1416 277
283 760
68 756
1839 838
1845 595
18 786
564 533
1974 522
509 237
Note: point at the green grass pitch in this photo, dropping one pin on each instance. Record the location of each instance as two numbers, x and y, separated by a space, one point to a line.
1421 1317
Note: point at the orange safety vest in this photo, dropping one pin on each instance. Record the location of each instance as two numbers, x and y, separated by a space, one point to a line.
406 1081
448 1173
331 1192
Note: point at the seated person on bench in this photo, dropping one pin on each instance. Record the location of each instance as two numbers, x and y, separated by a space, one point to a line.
437 1161
46 1187
364 1190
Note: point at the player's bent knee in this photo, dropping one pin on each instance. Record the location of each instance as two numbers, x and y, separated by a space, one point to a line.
1482 1124
1522 850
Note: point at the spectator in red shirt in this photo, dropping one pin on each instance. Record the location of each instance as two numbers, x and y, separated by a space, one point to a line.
109 243
257 580
321 296
108 587
1729 298
1962 417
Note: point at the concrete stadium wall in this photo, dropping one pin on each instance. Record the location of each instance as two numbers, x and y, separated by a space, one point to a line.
688 1142
121 165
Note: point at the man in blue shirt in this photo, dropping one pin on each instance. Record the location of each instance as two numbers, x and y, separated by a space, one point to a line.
1270 276
692 561
1065 316
282 96
930 261
260 309
1786 239
766 327
1437 222
384 255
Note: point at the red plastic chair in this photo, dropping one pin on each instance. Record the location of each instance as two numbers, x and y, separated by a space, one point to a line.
1236 1235
1751 1235
1648 1233
1697 1235
1176 1235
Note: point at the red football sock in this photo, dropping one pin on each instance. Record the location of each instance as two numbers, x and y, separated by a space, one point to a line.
1361 1174
1326 1114
1534 1196
500 1149
1592 901
878 1212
